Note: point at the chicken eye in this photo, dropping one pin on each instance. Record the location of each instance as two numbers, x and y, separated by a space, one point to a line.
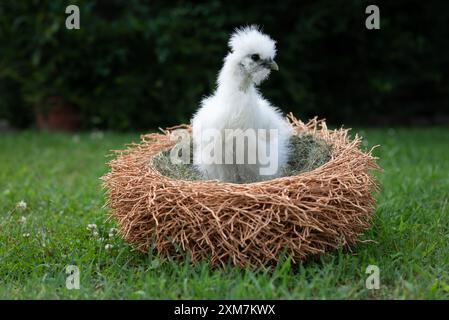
255 57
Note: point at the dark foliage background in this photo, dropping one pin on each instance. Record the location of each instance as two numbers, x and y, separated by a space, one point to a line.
136 64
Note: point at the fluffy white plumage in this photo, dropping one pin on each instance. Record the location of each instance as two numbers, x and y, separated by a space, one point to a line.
237 104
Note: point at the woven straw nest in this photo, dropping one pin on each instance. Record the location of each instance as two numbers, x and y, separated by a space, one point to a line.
245 224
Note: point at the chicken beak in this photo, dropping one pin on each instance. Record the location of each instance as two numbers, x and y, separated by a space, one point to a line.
274 66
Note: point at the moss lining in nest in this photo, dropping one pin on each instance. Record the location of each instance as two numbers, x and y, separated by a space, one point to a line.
306 153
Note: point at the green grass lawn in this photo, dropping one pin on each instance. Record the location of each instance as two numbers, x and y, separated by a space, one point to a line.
57 176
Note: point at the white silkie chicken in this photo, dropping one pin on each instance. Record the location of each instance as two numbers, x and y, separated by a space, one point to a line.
238 112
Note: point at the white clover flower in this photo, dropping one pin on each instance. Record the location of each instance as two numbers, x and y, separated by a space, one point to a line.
22 219
112 232
108 247
95 233
91 227
21 205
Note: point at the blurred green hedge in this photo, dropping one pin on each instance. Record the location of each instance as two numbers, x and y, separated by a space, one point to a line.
136 65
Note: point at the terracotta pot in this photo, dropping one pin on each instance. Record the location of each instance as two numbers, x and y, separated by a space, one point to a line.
58 116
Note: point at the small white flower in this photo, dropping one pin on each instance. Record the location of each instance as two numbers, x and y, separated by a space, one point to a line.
108 247
26 235
91 227
112 232
21 205
22 219
101 239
